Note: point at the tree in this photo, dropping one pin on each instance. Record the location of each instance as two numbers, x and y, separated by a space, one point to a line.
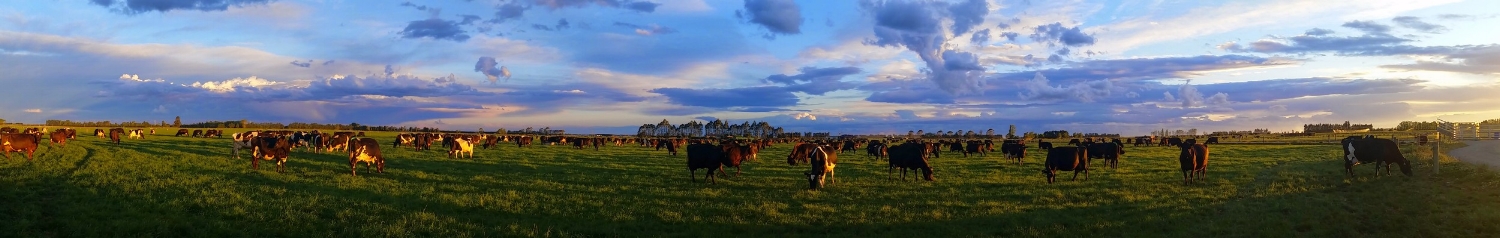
244 122
177 122
1012 132
2 120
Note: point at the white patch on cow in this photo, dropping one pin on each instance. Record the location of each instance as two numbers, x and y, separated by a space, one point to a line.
1351 157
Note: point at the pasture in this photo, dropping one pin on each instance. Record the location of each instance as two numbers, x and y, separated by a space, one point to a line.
167 186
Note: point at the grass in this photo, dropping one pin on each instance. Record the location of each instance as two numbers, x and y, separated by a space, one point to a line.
188 187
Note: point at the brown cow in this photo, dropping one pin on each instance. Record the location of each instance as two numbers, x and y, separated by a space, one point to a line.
16 142
181 132
60 137
365 150
271 148
115 134
1194 161
733 155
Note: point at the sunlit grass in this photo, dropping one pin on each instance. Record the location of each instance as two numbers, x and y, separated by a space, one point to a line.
188 187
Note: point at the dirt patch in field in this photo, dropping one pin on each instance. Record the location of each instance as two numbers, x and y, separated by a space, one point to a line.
1479 152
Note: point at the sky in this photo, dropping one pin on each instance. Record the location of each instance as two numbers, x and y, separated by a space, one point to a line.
845 67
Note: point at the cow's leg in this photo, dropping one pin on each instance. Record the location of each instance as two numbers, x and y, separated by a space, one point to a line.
255 163
693 174
1187 177
352 170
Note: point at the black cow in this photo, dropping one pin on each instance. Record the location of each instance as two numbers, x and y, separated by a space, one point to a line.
1174 141
1109 152
876 149
704 156
1377 150
1212 140
1067 158
1194 161
365 150
975 146
912 156
1074 142
1013 149
1044 145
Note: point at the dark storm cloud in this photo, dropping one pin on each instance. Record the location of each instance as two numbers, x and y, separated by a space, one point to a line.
438 29
1055 33
778 16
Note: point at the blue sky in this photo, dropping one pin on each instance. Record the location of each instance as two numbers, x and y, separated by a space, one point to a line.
607 66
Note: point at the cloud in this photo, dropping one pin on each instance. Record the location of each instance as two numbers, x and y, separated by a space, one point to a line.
816 81
1369 27
1010 36
1318 32
779 16
34 110
133 7
647 30
1473 60
1416 23
1365 45
468 19
434 28
1148 68
1041 90
486 65
302 64
1055 33
980 37
751 97
509 11
642 6
968 14
919 27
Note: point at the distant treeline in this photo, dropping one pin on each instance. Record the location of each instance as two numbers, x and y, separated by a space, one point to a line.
1325 127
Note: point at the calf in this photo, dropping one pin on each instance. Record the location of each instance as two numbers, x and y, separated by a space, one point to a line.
822 167
1193 160
1066 159
911 156
459 147
17 142
704 156
1379 151
365 150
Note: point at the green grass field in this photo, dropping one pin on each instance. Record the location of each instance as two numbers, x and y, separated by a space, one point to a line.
165 186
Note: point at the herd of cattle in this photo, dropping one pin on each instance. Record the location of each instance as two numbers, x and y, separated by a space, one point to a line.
702 153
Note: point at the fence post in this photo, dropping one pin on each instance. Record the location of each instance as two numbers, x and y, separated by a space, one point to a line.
1435 151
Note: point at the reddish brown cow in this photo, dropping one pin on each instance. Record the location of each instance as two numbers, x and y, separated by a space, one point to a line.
15 142
272 148
733 155
60 137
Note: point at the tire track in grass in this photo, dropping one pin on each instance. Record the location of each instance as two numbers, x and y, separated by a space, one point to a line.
49 202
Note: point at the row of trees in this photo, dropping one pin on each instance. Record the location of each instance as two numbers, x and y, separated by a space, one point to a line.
717 128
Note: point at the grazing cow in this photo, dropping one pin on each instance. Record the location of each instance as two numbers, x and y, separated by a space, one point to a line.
957 146
9 130
579 143
704 156
800 154
876 149
214 134
671 147
101 133
749 151
60 137
1044 145
359 134
1066 158
1074 142
181 132
490 141
1109 152
912 156
72 134
17 142
403 139
1194 161
274 148
197 133
934 149
243 141
1377 150
459 147
524 141
1212 140
849 146
115 134
1014 149
136 134
365 150
339 143
974 146
1174 141
822 167
153 131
